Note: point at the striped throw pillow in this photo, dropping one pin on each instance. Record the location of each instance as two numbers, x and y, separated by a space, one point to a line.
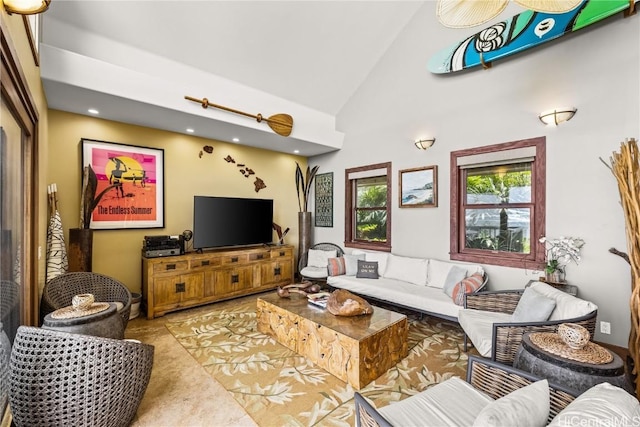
465 286
336 266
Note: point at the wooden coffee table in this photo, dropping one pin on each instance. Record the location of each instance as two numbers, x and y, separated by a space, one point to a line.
355 349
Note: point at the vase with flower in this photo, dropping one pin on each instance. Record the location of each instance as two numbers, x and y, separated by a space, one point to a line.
558 253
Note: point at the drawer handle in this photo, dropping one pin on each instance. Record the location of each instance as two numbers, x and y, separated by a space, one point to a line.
281 253
260 256
235 278
276 271
204 263
171 267
234 259
180 287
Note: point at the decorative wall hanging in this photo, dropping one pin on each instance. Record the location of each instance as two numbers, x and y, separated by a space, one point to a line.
246 172
282 124
206 149
324 200
521 32
419 187
137 176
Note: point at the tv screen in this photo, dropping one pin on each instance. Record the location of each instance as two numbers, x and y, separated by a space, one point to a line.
229 221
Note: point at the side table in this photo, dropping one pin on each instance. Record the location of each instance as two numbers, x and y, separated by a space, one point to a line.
106 323
573 374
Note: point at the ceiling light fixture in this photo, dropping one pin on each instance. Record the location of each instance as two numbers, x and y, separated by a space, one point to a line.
93 111
236 139
26 7
190 130
557 115
423 144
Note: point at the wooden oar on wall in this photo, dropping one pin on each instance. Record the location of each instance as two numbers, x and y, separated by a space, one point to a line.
280 123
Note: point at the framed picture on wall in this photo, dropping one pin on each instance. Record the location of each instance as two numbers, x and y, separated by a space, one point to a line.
419 187
324 200
132 178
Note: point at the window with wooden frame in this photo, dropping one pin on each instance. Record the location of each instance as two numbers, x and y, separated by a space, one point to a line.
498 204
368 207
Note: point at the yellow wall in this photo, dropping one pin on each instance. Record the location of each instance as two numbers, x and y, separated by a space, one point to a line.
17 33
117 252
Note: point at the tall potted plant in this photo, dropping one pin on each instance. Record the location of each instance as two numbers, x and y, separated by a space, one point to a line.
303 187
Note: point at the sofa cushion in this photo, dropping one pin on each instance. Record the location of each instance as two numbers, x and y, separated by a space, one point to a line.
336 266
438 272
533 307
380 257
351 263
455 276
439 405
527 406
465 286
367 269
412 270
567 306
319 258
601 405
478 325
314 272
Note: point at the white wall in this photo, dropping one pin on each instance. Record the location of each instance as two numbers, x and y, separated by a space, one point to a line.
596 71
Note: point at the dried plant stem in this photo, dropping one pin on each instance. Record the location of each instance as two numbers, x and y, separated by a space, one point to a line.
625 166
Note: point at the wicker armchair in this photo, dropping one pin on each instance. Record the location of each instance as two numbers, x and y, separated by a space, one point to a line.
59 292
62 379
307 272
506 335
494 379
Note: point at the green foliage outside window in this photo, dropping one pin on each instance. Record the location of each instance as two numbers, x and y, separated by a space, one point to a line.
371 211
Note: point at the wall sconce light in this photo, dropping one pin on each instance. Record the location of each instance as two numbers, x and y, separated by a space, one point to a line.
557 115
26 7
423 144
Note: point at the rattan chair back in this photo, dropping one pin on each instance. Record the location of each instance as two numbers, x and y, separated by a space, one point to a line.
63 379
325 246
59 292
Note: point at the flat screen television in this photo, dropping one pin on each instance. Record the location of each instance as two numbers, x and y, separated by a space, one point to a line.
230 221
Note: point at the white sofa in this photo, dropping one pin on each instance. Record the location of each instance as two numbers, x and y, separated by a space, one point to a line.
415 283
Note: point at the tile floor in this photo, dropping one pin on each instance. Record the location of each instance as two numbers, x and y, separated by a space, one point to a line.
180 391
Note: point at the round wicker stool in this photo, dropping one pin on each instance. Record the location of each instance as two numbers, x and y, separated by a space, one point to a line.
105 323
570 368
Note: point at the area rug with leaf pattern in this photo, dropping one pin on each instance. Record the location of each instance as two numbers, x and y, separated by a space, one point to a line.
278 387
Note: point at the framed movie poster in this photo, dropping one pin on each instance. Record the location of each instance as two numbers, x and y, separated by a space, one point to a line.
134 179
324 200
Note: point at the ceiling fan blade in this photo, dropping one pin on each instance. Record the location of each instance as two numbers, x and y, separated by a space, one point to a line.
468 13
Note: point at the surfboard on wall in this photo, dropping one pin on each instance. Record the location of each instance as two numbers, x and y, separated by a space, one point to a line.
520 32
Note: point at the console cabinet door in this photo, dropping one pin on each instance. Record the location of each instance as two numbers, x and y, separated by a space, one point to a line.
277 272
231 280
175 290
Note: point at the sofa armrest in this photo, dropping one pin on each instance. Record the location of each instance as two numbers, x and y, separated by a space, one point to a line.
496 301
498 380
508 336
367 415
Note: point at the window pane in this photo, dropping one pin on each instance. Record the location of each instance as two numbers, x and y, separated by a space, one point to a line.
371 225
504 230
499 184
371 192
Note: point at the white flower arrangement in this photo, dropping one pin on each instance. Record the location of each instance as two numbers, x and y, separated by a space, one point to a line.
561 251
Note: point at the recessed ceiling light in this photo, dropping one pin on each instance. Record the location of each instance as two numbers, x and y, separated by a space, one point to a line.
93 111
296 151
190 130
236 139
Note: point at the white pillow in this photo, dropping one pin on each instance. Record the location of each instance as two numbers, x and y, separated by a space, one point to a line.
319 258
567 306
528 406
533 307
455 276
412 270
601 405
351 263
381 257
438 272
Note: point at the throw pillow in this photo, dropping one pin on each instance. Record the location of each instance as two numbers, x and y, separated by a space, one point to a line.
367 269
336 266
319 258
465 286
412 270
533 307
455 276
438 272
351 263
527 406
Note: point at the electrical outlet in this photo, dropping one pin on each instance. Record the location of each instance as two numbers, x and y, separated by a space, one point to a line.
605 327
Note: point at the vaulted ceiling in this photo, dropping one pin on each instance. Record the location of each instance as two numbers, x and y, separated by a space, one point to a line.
134 61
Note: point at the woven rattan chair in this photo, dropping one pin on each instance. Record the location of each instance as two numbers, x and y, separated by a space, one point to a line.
507 336
315 275
59 292
62 379
495 379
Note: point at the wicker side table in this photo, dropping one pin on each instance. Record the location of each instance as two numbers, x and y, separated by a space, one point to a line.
106 323
573 374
